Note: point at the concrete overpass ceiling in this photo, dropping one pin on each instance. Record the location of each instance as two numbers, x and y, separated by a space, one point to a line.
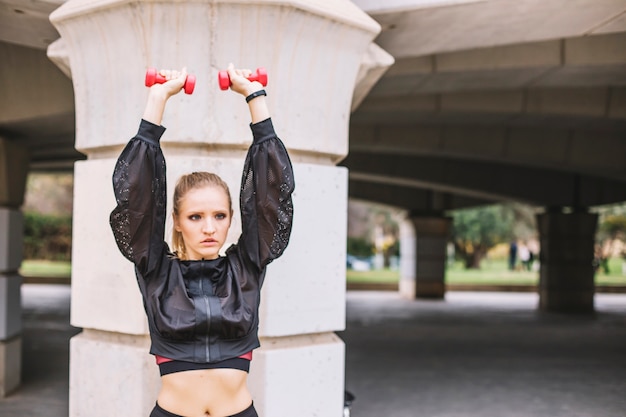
505 100
587 152
37 107
486 180
50 141
422 28
26 23
374 6
522 83
37 101
415 199
585 107
585 62
573 79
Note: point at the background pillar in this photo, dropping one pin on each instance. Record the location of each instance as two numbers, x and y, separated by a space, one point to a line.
13 172
299 370
423 256
566 277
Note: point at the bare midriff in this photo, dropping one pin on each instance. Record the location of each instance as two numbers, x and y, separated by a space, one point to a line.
205 392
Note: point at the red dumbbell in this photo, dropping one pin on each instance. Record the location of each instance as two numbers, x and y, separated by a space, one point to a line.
260 75
153 77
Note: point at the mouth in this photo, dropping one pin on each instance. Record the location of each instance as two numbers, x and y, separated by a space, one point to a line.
209 242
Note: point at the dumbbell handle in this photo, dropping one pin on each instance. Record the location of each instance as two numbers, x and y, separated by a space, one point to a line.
153 77
260 75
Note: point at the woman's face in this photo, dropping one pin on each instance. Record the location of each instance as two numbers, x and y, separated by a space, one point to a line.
203 220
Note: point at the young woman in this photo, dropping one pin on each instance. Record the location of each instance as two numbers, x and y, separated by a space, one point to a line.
202 307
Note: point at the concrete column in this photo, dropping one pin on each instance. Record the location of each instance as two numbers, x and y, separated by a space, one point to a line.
566 278
312 51
13 170
423 256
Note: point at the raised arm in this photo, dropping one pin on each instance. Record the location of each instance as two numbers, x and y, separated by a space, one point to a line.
240 84
160 93
267 182
139 184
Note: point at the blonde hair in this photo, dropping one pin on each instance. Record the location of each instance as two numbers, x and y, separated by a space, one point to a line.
185 184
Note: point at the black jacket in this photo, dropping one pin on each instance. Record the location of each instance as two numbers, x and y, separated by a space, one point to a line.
202 311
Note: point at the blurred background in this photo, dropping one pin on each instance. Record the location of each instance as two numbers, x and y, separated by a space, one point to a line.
479 245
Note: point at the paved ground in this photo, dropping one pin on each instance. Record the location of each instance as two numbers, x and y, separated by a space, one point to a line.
45 362
484 354
474 354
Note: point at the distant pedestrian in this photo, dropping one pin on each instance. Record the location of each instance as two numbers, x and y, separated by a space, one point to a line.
524 256
512 255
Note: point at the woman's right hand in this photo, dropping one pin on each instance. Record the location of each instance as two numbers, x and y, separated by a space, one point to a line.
160 93
175 80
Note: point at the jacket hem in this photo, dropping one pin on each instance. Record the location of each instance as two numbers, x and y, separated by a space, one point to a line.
183 350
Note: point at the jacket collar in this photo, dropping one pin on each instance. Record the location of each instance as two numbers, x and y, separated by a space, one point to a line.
206 268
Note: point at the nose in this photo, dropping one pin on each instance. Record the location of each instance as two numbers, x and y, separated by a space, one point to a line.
208 226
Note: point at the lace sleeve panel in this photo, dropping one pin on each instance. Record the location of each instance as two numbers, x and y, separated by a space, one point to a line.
266 205
138 220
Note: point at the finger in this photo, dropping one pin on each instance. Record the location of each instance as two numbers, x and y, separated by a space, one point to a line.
183 74
232 72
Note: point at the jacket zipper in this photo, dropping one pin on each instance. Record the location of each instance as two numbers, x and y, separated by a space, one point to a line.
208 316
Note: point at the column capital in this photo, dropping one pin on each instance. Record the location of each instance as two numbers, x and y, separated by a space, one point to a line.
430 223
310 87
313 51
576 222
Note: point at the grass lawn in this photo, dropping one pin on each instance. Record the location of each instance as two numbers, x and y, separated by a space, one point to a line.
40 268
386 276
491 272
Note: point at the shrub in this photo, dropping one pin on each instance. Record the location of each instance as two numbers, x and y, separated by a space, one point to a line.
360 247
47 237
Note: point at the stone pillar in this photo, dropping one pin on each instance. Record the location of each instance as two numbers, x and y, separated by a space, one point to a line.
566 277
423 256
299 370
13 172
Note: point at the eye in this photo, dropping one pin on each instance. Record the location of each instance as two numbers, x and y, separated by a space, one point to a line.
220 216
195 217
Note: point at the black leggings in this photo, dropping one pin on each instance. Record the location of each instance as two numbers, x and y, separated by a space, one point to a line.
157 411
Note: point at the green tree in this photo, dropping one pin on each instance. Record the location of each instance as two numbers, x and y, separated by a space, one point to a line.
477 230
612 226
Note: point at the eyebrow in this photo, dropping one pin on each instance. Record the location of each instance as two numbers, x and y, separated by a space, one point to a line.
191 212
